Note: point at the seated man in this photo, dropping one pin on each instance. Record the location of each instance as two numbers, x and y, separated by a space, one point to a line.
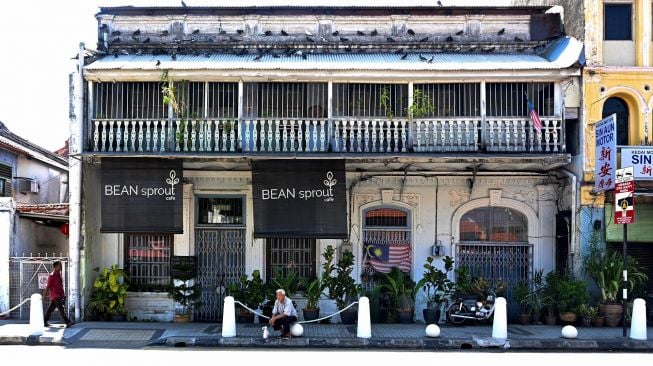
283 314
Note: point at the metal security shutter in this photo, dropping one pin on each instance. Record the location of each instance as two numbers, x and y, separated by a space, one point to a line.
643 253
5 177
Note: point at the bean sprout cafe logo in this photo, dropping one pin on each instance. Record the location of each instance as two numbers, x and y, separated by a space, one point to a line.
166 189
303 194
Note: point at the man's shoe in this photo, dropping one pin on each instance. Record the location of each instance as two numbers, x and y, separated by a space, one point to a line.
70 324
46 324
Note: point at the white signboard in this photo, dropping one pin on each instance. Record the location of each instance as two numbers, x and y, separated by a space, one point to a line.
605 155
43 280
641 159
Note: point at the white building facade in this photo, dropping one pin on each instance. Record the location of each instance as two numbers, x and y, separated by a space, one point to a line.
425 110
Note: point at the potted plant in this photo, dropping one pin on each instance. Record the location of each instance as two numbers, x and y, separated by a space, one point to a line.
109 292
606 270
551 292
313 293
251 292
437 286
536 299
401 289
521 293
337 278
183 291
588 313
571 295
464 284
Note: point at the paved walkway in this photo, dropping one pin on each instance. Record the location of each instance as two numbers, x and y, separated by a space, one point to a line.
398 336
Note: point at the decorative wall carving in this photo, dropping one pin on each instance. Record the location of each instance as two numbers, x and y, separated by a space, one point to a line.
525 196
495 197
458 196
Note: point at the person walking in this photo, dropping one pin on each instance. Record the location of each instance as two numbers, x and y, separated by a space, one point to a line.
57 296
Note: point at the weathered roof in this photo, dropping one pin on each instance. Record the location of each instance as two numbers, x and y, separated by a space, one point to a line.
302 4
57 212
20 145
566 52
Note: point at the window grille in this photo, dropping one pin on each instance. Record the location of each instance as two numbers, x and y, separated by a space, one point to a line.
147 259
128 100
285 100
296 255
447 100
370 100
509 99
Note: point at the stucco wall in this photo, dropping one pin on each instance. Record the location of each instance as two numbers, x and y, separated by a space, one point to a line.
32 238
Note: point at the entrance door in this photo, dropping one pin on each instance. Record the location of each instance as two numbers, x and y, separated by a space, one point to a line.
220 261
27 276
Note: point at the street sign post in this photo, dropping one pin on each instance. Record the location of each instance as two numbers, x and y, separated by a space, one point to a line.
624 205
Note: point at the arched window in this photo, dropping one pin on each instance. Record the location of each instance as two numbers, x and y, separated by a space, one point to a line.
386 240
620 108
494 224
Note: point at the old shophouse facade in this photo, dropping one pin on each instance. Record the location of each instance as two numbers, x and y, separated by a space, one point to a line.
291 129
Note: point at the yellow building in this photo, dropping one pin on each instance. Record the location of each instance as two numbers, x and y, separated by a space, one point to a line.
618 78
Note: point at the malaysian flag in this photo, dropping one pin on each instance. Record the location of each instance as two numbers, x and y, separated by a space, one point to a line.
535 118
382 257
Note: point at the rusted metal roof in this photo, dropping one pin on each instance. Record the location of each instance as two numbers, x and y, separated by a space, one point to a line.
49 209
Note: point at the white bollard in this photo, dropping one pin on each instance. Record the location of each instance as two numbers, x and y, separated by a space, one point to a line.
364 328
500 323
569 332
36 323
638 320
229 317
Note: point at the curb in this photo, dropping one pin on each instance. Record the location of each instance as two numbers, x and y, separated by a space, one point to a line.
31 341
478 344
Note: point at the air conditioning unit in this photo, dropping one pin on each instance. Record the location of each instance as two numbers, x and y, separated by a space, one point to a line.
27 185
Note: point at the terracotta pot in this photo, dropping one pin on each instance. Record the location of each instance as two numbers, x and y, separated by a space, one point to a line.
568 317
525 319
550 319
612 313
598 321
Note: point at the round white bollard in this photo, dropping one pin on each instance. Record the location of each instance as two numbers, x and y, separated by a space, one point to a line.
500 322
229 317
569 331
638 320
364 327
36 322
296 330
432 330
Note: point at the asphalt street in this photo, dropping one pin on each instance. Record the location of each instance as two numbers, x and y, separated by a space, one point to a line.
39 355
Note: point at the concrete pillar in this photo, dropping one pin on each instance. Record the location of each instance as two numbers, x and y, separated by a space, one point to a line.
500 322
229 318
643 33
36 323
364 326
544 250
6 224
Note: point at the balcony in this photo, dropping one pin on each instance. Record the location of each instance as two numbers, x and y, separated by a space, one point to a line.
307 136
275 119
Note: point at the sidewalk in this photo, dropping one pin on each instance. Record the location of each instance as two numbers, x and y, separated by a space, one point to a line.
384 336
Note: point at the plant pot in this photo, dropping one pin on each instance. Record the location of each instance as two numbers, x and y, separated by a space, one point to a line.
311 314
405 316
550 319
587 322
182 318
599 321
431 315
568 317
525 319
348 317
612 313
118 317
245 318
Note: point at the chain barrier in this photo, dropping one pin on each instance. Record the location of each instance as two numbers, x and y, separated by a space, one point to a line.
14 308
303 321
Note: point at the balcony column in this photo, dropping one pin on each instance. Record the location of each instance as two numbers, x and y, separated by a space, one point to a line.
410 118
330 126
483 117
89 117
241 114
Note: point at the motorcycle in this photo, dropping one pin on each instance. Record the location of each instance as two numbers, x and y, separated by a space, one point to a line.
461 310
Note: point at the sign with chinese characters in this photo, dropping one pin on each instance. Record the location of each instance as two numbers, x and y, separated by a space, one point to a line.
299 198
141 195
624 208
43 280
641 159
605 155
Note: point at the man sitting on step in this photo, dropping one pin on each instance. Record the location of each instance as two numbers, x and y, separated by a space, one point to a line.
283 314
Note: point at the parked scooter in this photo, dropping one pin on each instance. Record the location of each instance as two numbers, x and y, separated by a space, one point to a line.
463 310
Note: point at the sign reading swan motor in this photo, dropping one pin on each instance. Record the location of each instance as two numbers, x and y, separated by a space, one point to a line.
142 195
299 198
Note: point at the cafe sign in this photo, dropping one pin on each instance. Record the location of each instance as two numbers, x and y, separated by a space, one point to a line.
299 198
141 195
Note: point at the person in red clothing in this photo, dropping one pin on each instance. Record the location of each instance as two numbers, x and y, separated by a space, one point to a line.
57 295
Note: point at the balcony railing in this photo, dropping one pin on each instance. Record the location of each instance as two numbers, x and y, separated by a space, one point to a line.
339 135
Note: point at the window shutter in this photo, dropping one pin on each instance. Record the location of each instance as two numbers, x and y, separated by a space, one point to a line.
6 175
